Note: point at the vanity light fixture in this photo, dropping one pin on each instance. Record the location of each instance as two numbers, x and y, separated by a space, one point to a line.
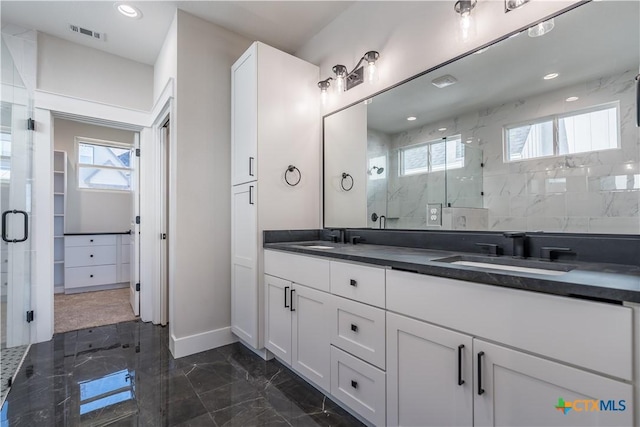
324 88
467 23
411 118
128 10
572 98
510 5
345 80
551 76
541 29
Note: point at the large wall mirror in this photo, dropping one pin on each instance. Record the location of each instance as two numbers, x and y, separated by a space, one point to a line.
532 134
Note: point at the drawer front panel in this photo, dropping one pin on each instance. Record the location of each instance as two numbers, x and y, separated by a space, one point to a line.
83 256
90 240
358 282
79 277
359 329
358 385
305 270
125 254
592 335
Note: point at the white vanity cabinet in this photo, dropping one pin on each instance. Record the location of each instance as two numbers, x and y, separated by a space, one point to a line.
273 126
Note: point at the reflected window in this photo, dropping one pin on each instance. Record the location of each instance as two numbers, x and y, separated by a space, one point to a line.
581 131
103 165
432 156
106 391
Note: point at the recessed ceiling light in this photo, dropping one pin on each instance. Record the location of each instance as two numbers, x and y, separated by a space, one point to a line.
551 76
128 10
411 118
572 98
442 129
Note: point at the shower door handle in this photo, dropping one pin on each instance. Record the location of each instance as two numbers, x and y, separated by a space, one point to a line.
4 226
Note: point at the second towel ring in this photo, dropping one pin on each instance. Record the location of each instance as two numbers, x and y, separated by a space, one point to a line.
292 168
344 177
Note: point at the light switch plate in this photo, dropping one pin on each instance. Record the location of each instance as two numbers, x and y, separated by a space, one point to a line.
434 214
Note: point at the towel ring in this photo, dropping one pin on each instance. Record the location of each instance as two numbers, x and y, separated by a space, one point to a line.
344 177
292 168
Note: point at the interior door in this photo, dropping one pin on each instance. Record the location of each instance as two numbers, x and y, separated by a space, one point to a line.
16 173
134 253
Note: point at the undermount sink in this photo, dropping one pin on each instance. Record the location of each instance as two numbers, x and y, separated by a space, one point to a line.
509 264
314 246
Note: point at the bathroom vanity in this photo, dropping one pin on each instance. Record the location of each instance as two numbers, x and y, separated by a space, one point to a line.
410 336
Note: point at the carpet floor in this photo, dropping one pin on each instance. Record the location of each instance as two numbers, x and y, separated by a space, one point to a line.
90 309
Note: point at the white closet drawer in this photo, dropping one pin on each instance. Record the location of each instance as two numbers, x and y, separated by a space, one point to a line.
359 329
84 256
79 277
358 282
358 385
125 253
90 240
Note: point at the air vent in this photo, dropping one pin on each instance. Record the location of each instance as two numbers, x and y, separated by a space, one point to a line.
444 81
85 32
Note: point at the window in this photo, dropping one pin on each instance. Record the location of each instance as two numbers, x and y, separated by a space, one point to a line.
103 165
578 132
432 156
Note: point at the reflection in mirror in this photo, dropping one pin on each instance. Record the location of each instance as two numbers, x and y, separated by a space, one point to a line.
532 134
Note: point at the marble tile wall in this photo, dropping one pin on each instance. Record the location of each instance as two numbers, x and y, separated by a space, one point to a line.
596 192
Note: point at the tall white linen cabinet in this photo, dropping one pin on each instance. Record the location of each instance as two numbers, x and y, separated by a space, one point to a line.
275 124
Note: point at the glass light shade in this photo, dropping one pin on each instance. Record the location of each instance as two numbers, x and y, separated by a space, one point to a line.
541 29
340 85
467 27
372 73
323 96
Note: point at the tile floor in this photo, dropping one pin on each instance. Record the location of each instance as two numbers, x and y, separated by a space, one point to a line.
124 375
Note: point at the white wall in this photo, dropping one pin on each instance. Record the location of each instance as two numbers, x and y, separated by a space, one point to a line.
89 211
166 66
71 69
201 295
410 36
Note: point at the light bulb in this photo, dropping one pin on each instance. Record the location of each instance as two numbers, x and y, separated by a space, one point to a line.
467 27
323 96
339 85
372 73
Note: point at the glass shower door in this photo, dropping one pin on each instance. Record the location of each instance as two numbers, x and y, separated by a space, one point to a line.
16 180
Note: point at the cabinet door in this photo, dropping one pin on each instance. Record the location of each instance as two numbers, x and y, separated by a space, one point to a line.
516 389
244 118
311 343
278 317
429 375
244 254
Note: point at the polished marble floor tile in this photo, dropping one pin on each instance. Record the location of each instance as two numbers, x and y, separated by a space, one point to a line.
124 375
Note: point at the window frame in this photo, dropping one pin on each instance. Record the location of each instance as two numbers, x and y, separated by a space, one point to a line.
102 143
555 120
429 169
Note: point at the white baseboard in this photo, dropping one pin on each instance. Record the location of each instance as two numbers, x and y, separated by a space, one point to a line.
203 341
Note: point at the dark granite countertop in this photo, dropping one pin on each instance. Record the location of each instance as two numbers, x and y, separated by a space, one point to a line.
599 281
98 233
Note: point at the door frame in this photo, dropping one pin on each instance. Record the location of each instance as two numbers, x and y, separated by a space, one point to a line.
48 105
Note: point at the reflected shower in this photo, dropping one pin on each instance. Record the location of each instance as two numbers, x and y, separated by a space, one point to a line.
378 171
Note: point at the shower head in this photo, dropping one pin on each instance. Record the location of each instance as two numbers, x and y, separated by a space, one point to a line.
379 170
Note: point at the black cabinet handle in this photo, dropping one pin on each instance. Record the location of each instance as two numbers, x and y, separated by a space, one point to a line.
354 384
91 240
286 289
251 166
354 328
91 256
353 283
91 275
460 380
251 195
292 291
480 389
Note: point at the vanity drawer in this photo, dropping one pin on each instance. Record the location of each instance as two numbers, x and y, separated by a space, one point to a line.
358 282
359 329
90 240
305 270
593 335
358 385
80 256
80 277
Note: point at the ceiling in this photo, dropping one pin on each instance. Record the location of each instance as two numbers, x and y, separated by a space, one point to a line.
595 40
286 25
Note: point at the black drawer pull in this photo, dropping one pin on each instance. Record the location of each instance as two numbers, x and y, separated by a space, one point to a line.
354 328
353 282
91 256
460 380
354 384
91 275
91 240
480 389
